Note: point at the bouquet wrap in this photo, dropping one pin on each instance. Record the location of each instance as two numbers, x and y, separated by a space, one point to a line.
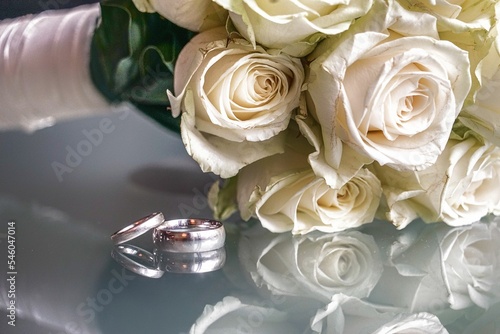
45 68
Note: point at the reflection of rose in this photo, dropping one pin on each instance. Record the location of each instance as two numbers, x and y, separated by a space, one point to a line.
350 315
281 24
438 267
414 264
315 266
484 323
471 265
235 100
231 315
390 95
419 323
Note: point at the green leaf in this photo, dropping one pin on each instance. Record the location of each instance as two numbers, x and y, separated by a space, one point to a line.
155 77
127 68
133 55
222 200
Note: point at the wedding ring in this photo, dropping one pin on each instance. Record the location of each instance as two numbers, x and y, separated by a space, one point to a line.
191 263
138 228
146 264
189 235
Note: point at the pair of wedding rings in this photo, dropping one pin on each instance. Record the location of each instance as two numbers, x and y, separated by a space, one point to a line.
176 235
181 246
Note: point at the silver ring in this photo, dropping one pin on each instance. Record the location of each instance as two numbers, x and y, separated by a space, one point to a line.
189 235
147 265
138 228
191 263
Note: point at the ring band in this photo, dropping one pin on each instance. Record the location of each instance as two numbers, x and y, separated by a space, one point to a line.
189 235
191 263
138 228
147 265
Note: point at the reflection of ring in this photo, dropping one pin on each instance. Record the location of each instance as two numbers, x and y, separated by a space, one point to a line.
138 228
147 265
187 263
189 235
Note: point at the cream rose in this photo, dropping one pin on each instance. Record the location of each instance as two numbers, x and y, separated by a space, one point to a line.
466 23
285 194
295 26
345 314
471 191
195 15
302 202
471 265
483 116
390 95
235 101
459 189
315 266
462 15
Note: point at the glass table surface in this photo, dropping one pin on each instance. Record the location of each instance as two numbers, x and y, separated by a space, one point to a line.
65 189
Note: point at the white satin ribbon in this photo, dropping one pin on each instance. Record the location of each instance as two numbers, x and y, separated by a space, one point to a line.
44 68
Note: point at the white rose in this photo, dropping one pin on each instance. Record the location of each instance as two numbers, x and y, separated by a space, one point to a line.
235 100
483 116
299 201
242 317
471 190
463 15
470 25
351 315
471 265
459 189
295 26
388 94
315 266
350 161
285 194
258 174
302 202
195 15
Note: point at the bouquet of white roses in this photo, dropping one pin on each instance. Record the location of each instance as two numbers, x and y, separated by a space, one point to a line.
321 115
327 114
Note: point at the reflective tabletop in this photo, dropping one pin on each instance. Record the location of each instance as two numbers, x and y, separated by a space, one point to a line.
66 189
